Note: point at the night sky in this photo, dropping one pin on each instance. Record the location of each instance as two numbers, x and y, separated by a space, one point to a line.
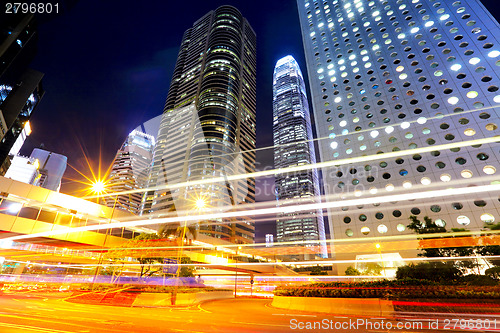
108 66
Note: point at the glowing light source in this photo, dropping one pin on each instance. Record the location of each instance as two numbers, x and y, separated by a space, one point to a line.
453 100
200 203
98 187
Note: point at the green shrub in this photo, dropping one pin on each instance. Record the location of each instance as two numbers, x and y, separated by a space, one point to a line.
477 280
493 272
432 271
351 271
399 289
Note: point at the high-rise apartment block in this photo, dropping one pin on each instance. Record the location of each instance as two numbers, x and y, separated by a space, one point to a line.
207 129
129 173
405 99
294 146
20 86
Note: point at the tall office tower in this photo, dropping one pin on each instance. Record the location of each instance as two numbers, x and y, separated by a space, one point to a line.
130 172
20 86
208 126
405 99
51 168
293 146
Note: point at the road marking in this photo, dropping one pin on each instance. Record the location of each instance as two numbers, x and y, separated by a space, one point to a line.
33 328
199 307
292 315
241 322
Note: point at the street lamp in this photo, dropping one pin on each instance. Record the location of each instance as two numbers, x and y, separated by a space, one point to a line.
379 250
236 277
98 188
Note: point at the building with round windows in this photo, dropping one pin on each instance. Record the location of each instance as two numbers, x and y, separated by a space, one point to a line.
406 104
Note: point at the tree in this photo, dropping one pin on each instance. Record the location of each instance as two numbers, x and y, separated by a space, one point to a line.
316 270
143 248
487 247
432 271
186 271
372 268
351 271
430 227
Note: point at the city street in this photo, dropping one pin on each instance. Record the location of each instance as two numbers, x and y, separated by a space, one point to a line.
36 312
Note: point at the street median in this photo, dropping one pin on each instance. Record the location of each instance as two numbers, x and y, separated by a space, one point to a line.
347 306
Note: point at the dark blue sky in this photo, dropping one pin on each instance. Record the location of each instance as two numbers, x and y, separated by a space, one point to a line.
108 66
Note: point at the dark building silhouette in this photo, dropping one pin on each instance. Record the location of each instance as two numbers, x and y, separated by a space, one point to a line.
20 87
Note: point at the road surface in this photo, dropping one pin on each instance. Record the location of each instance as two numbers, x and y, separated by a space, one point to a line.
51 313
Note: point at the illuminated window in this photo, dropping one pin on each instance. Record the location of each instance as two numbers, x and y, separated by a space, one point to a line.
425 180
487 218
382 228
463 220
466 173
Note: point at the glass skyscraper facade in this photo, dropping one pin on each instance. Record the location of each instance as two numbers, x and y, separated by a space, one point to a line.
207 130
405 99
293 146
130 172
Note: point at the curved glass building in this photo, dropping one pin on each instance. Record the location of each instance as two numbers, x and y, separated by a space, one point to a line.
293 146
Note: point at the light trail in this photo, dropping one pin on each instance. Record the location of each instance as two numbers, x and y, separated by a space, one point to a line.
265 211
286 263
255 174
307 167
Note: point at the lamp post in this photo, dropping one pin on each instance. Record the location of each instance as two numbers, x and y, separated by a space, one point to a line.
236 276
200 203
98 188
379 250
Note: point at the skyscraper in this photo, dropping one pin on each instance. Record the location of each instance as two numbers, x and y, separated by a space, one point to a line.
20 87
405 98
208 125
130 172
293 146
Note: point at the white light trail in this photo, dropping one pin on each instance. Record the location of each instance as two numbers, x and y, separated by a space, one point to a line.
320 165
273 210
